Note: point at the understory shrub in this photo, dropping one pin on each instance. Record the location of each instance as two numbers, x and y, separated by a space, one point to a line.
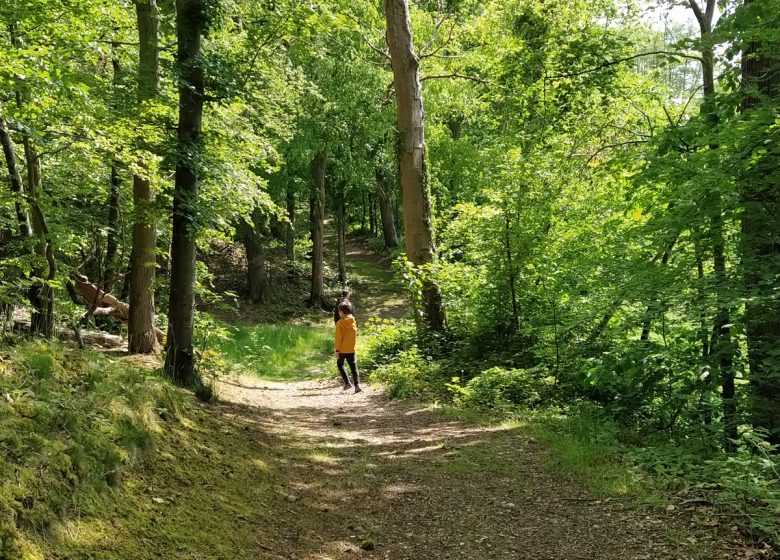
382 340
409 375
70 421
501 388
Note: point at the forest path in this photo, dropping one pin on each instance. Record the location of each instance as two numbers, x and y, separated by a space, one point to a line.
376 290
359 471
419 483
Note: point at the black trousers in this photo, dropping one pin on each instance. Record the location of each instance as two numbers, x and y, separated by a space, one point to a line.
350 358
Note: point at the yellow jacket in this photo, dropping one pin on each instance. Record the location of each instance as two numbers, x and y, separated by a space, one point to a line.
346 334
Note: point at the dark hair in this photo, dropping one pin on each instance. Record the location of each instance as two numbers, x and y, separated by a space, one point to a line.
346 307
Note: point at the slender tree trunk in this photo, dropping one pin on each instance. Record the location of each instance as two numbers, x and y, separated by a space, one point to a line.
363 213
141 328
180 359
316 223
371 215
386 210
722 347
418 221
112 239
342 241
40 294
17 185
655 306
112 221
760 247
290 238
511 270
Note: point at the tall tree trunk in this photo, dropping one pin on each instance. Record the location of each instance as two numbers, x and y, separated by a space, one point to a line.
342 238
511 270
760 241
290 237
40 294
386 210
418 222
722 348
17 186
112 240
112 221
371 215
143 258
255 256
180 358
316 224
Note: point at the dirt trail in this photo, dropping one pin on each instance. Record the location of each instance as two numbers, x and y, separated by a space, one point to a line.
421 485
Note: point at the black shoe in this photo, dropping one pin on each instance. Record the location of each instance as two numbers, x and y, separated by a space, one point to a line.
358 389
347 386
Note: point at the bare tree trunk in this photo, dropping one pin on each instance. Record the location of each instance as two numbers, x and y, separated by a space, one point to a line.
41 294
722 346
342 241
511 270
760 248
386 210
143 257
17 186
255 257
112 240
418 222
112 222
180 359
371 215
316 223
290 238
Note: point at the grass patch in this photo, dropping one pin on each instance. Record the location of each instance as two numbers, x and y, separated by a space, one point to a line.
282 352
587 447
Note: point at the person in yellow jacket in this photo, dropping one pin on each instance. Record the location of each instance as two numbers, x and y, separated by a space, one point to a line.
346 336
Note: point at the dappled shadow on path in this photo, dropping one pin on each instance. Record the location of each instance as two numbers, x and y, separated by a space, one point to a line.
305 471
419 484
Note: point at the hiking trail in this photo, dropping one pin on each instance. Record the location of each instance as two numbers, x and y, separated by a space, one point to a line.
303 471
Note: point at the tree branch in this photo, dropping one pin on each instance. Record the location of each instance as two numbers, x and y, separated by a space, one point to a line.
384 54
621 60
610 146
462 77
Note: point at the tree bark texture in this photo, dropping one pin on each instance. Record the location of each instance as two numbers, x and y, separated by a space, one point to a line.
761 242
418 223
112 239
180 359
317 224
143 255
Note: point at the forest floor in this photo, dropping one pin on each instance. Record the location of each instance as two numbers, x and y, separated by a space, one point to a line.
302 470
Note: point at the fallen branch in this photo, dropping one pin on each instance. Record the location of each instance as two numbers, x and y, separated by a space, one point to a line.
103 304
